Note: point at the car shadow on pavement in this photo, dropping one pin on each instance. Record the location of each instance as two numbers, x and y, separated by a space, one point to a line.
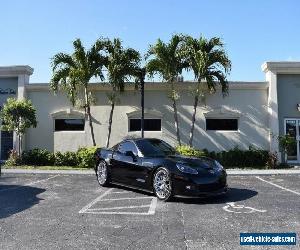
15 199
233 195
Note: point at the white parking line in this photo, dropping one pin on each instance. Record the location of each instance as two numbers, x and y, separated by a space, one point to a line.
29 184
276 185
109 210
84 209
121 192
112 208
152 206
127 198
121 213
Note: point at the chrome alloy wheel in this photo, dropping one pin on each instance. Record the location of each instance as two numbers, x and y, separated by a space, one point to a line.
102 172
162 184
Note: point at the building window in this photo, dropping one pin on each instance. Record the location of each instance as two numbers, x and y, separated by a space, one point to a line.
149 125
69 124
222 124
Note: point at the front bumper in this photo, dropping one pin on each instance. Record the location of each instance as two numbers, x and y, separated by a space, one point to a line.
200 187
200 194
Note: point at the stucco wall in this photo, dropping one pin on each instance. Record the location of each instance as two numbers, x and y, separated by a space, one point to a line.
8 83
288 87
43 136
251 103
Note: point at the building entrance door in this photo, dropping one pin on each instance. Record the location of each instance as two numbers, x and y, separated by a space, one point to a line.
292 128
6 144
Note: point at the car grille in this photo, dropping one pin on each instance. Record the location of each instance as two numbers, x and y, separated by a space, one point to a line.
213 186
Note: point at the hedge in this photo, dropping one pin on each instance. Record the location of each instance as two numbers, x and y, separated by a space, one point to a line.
234 158
84 158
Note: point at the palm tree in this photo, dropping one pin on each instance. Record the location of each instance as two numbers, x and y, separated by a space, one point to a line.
72 73
210 65
166 60
140 75
121 67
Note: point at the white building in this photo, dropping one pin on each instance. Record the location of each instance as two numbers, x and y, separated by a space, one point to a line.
253 114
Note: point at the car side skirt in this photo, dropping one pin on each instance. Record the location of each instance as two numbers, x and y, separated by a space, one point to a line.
132 187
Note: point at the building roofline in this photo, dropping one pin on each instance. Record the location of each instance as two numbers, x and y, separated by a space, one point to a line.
15 70
283 67
155 86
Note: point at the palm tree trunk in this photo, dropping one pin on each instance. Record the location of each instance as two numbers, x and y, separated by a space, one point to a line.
91 125
143 106
20 147
89 115
175 114
196 100
110 123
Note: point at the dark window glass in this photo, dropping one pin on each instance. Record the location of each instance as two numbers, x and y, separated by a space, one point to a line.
6 144
154 147
221 124
149 125
69 125
128 146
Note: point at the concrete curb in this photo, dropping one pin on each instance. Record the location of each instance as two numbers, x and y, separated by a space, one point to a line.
262 171
37 171
91 172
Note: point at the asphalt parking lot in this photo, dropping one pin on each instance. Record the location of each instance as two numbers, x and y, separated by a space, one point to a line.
73 212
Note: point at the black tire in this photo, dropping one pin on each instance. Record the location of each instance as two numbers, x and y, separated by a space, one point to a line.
167 193
102 173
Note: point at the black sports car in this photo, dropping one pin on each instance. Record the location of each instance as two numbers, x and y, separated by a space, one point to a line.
153 165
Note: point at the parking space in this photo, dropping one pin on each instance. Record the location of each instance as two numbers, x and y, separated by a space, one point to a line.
73 212
113 201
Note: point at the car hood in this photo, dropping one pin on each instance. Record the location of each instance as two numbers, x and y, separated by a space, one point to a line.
197 163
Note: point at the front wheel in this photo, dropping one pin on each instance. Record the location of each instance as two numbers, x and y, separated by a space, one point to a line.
162 185
102 174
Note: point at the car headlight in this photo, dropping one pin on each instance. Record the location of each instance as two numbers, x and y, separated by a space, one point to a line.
219 167
186 169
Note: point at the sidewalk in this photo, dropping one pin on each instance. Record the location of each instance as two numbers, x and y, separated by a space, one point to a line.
229 171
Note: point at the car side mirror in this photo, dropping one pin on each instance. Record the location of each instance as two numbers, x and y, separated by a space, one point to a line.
131 154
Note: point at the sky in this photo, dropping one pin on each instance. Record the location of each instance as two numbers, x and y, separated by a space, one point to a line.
254 31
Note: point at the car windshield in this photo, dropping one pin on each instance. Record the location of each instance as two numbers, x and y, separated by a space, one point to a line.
154 148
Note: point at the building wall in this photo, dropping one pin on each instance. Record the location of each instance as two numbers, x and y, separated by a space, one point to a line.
251 104
43 136
288 87
7 83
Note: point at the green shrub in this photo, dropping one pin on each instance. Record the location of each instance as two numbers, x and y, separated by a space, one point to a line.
38 157
237 158
86 157
189 151
66 159
14 159
287 143
234 158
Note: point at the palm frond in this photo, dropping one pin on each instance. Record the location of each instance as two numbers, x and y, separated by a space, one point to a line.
79 53
166 59
59 77
62 60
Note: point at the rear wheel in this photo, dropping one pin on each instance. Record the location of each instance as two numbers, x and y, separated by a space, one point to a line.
102 174
162 185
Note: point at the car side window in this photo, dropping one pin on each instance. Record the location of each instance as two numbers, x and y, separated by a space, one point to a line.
127 146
